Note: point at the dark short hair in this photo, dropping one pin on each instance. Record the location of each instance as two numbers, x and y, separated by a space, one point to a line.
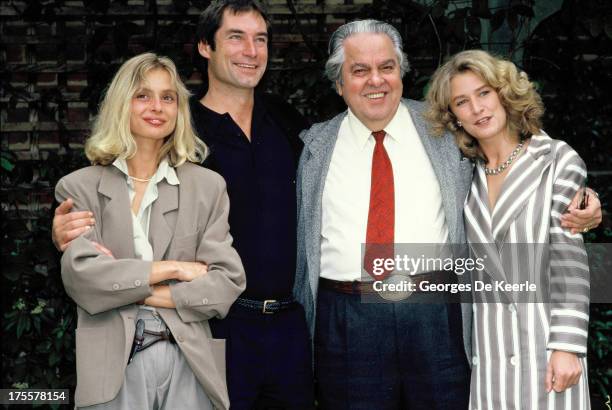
212 17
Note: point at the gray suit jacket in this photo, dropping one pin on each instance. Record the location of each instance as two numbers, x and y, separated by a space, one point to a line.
454 176
188 223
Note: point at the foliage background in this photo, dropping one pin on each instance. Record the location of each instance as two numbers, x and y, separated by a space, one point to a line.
58 55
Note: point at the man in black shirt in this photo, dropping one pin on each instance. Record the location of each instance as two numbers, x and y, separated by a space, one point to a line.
254 145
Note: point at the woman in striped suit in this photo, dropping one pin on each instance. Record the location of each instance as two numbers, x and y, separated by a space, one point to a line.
528 347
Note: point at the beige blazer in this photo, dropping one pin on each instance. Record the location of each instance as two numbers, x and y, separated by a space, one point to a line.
188 223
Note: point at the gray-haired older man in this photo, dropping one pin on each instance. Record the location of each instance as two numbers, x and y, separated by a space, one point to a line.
374 175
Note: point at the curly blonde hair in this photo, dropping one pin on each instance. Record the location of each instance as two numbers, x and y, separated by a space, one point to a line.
111 136
517 94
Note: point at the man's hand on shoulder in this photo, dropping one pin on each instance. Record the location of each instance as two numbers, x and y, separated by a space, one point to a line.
103 249
580 219
69 225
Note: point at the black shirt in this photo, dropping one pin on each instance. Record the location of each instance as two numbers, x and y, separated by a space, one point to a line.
260 178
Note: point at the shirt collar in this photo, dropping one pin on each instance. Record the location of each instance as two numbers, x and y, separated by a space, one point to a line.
395 129
213 119
358 131
398 128
164 170
259 111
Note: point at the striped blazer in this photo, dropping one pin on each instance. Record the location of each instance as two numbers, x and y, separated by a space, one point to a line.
522 240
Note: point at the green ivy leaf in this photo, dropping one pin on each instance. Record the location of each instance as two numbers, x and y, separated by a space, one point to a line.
53 359
23 325
6 164
36 323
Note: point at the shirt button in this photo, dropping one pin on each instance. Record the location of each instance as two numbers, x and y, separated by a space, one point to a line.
116 286
475 360
137 282
180 339
513 360
205 301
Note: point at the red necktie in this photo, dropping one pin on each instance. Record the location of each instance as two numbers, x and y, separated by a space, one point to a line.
381 216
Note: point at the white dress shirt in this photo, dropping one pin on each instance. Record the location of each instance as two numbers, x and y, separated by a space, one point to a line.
419 215
140 221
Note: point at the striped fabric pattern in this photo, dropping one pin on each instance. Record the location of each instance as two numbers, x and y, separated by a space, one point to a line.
522 239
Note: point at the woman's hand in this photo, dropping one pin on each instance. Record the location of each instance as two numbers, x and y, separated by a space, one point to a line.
188 271
183 271
160 297
563 371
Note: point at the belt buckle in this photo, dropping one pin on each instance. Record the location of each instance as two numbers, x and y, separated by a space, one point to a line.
265 307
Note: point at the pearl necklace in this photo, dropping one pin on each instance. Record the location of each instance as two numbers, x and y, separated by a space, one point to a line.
501 168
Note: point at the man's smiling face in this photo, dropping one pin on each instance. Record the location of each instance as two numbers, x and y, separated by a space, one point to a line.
241 50
371 79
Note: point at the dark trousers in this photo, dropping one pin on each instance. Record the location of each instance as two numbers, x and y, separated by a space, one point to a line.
389 355
268 358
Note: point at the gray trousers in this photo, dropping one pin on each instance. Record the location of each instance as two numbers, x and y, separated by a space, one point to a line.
158 378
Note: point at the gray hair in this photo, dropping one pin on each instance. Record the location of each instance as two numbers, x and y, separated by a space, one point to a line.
333 66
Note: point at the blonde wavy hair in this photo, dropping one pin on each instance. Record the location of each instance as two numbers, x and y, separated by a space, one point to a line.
523 105
111 136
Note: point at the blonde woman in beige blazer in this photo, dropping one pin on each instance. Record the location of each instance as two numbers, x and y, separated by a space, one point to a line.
159 252
529 347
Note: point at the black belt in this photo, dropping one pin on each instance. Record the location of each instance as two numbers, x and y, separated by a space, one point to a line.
267 307
138 344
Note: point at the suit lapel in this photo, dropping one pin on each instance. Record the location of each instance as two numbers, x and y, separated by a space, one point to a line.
519 185
478 218
444 168
487 233
319 152
477 209
117 216
163 218
116 230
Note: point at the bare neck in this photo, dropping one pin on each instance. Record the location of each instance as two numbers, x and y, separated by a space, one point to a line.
498 150
144 163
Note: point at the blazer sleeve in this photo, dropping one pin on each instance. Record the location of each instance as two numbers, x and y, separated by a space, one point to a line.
96 282
569 270
300 284
212 294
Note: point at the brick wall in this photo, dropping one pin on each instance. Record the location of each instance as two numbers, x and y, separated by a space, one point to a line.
57 59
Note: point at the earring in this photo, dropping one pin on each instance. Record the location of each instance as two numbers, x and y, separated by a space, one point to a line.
459 124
